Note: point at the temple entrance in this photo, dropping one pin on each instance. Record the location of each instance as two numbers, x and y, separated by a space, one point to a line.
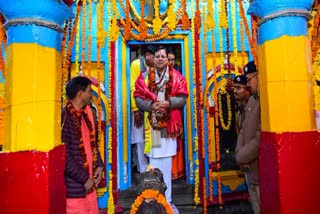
178 163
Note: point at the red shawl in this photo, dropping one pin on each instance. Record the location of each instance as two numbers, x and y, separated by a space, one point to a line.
179 87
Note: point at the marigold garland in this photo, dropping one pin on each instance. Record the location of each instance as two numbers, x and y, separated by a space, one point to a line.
127 25
83 35
114 28
111 208
3 42
210 23
185 18
64 65
142 25
197 17
157 23
75 115
223 15
147 195
159 121
234 36
89 37
242 42
205 203
172 19
224 126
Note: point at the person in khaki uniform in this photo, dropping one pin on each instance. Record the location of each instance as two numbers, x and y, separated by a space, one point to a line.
247 149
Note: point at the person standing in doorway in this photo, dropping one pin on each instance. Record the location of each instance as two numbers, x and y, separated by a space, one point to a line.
142 64
247 149
161 93
84 166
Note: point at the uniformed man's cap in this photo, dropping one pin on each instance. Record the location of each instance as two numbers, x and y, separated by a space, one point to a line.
249 68
240 79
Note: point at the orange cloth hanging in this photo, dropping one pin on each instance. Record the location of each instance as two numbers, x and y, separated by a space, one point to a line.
178 161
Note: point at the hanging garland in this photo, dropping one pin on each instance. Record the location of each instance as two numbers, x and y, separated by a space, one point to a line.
157 24
172 19
127 25
3 42
242 43
111 208
101 35
114 30
225 126
142 25
83 35
89 37
234 36
185 17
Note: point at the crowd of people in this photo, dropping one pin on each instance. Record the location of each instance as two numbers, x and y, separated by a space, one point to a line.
158 93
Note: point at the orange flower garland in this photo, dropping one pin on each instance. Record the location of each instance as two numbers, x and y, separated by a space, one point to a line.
142 26
127 25
147 195
83 35
3 39
185 18
159 121
89 37
75 119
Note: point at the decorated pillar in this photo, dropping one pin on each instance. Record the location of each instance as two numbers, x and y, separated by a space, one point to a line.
289 149
32 161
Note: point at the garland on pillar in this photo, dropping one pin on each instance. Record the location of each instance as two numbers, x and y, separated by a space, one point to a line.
101 37
89 37
3 43
83 37
110 202
185 18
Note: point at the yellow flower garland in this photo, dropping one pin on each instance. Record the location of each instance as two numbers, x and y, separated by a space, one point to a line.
150 194
157 23
222 123
111 208
172 19
234 37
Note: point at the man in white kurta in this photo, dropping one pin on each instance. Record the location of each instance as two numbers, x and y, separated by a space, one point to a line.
139 65
161 92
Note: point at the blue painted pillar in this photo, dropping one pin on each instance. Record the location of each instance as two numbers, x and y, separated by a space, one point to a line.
289 148
32 166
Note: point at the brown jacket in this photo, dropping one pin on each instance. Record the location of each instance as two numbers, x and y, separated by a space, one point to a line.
247 149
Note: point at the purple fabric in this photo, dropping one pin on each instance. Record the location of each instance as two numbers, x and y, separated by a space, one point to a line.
75 174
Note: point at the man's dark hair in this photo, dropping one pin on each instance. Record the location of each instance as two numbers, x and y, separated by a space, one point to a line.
170 51
148 49
75 85
162 48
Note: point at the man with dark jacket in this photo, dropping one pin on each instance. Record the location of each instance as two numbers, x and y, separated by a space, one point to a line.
247 149
83 169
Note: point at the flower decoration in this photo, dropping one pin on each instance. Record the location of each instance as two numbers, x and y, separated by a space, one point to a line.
150 194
